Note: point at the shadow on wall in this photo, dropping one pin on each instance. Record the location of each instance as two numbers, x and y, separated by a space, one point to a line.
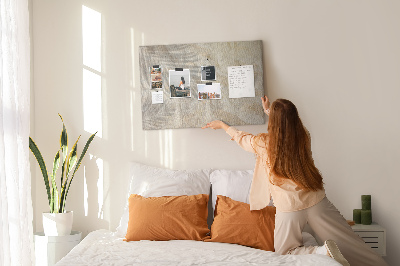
89 216
89 190
100 187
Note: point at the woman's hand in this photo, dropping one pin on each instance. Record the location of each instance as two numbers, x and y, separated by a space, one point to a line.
265 104
216 125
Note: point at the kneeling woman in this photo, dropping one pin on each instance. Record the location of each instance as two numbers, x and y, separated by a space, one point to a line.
285 170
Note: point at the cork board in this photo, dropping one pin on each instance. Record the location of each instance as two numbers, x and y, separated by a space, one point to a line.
189 112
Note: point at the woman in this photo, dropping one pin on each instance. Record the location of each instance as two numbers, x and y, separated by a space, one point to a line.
285 170
182 83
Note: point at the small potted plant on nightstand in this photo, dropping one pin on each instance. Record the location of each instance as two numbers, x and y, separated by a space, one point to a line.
58 222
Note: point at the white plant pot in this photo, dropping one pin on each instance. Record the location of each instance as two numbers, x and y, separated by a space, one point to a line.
57 224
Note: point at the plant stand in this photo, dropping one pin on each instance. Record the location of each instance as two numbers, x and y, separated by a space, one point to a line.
50 249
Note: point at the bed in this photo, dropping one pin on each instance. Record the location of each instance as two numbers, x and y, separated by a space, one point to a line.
175 218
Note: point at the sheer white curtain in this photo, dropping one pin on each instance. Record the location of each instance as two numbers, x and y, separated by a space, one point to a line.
16 244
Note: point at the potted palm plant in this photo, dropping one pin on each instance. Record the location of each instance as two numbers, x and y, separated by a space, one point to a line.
58 222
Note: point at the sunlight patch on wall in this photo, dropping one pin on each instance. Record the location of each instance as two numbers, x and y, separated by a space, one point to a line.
92 79
85 193
91 36
100 187
133 98
160 141
92 102
146 146
133 57
165 142
168 149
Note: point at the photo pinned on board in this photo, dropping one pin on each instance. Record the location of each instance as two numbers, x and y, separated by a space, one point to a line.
208 73
156 78
209 91
179 83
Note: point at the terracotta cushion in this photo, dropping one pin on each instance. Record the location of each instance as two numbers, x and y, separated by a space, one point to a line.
167 218
235 223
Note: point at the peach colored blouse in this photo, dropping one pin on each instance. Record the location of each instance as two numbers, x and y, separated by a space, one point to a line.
288 197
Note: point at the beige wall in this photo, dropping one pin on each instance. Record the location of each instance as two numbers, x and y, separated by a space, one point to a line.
338 61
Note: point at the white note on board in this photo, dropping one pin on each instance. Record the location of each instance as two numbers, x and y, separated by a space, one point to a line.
241 81
157 97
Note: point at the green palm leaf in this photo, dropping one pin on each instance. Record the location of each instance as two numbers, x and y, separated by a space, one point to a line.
63 147
56 164
54 191
39 158
72 157
54 200
71 161
78 164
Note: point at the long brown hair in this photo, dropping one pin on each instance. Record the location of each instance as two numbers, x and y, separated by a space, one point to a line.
289 147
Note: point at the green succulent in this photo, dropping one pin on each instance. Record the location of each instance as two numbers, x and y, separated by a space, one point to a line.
69 161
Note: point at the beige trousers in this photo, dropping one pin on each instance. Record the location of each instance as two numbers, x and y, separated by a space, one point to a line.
327 223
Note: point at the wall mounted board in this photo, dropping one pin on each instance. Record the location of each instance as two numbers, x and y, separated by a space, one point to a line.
189 112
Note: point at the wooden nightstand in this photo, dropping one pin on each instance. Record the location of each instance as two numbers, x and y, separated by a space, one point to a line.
373 235
50 249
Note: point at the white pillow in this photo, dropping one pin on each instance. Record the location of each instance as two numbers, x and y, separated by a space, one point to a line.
149 181
234 184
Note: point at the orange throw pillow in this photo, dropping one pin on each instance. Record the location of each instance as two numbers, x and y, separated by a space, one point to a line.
235 223
167 218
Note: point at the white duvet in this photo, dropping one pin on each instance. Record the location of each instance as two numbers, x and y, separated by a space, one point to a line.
103 247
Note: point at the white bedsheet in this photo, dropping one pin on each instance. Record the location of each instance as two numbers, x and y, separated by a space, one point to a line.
102 247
